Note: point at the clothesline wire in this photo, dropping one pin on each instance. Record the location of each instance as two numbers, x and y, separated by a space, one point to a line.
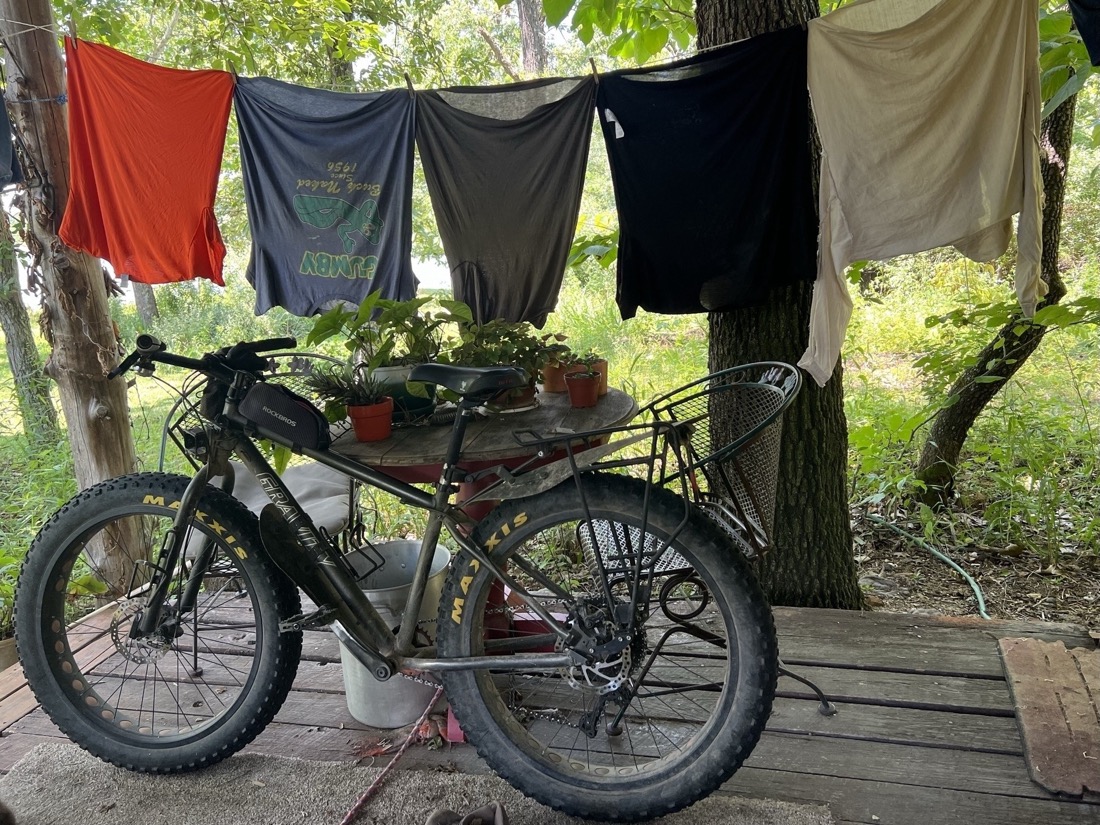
52 29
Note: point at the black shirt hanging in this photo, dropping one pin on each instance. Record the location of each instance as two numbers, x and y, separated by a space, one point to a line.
710 161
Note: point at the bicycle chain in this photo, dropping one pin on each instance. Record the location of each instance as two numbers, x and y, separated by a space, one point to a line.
534 714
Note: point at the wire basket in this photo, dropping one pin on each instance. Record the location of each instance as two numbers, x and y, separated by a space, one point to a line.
727 444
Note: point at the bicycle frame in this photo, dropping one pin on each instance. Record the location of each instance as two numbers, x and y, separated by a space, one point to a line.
358 621
324 573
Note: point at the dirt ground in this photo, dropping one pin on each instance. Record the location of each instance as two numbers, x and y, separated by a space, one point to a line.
898 575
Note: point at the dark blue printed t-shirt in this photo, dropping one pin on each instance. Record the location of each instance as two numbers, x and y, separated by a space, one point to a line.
328 186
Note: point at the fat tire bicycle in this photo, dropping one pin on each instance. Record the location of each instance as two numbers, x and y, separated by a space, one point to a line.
601 636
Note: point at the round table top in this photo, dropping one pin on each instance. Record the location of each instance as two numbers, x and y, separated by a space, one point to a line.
489 438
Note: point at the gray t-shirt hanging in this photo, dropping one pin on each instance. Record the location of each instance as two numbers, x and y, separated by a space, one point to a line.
505 168
328 186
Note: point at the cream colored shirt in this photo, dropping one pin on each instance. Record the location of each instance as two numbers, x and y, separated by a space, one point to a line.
929 118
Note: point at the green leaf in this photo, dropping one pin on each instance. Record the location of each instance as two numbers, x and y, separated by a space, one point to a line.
282 457
1071 87
655 39
988 379
1053 25
556 10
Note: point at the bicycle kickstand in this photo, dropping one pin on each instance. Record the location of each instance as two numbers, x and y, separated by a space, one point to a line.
825 708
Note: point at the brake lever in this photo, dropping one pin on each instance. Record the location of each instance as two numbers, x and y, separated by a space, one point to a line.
126 364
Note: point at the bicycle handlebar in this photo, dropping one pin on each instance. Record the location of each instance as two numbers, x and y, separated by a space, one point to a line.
241 356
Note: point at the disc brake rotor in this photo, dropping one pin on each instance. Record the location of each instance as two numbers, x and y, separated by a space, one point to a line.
143 651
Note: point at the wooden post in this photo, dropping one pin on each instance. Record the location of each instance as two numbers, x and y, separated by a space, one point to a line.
76 320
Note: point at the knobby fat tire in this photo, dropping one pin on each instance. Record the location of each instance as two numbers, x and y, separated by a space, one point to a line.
502 739
50 665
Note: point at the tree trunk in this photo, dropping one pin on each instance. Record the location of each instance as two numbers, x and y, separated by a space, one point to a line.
1007 352
76 322
812 564
32 387
146 302
532 28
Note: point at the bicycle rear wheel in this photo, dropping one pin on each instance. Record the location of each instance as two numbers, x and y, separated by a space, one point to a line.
648 724
211 675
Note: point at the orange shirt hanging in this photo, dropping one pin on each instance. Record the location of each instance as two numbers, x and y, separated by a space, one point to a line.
145 149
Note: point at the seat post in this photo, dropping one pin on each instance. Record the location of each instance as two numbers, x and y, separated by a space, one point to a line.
450 473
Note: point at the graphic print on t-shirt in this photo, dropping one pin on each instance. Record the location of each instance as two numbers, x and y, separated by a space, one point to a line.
328 184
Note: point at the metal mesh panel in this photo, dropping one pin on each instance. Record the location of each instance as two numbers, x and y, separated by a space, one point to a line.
618 545
733 430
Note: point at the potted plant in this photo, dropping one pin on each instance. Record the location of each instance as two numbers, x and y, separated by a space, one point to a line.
502 343
351 390
595 363
559 359
583 387
390 338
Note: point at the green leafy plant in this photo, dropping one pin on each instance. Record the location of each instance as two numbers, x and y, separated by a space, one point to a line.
500 343
9 571
382 332
555 349
344 385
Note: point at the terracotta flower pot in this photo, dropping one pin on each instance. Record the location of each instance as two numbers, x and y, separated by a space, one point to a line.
553 376
372 422
601 367
584 389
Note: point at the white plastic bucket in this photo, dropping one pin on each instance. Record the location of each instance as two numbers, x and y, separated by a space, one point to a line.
398 701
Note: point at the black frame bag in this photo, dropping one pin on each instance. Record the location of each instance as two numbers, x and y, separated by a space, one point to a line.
287 414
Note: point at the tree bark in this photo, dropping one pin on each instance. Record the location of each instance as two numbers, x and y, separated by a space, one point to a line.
812 564
146 302
1007 352
76 321
32 387
532 28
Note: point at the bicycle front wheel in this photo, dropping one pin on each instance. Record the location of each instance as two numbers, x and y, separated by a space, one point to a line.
212 673
648 724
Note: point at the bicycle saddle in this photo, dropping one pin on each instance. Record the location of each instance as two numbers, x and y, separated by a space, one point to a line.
470 381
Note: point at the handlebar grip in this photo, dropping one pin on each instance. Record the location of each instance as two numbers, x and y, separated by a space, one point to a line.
266 345
148 344
127 362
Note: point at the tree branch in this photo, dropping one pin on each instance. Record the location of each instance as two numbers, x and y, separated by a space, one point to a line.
504 62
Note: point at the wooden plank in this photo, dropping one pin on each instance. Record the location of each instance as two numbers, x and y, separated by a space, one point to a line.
325 677
36 722
11 680
920 650
928 728
16 706
897 639
903 689
872 802
938 768
1056 693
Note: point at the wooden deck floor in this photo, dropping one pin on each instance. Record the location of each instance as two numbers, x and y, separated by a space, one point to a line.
926 732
